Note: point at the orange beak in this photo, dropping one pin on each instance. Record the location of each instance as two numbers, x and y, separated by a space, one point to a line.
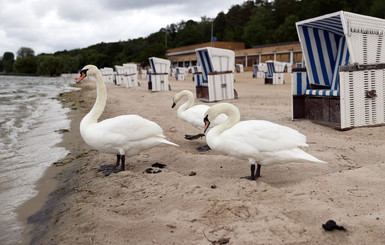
82 76
207 123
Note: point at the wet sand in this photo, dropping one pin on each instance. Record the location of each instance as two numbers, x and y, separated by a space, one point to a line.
288 204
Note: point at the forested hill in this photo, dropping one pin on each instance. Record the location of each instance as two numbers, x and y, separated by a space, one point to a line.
253 22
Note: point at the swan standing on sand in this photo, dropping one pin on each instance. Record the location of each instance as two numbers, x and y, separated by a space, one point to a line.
257 141
194 114
125 135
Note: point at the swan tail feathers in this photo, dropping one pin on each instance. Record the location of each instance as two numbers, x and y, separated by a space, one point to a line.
162 140
316 160
308 157
296 155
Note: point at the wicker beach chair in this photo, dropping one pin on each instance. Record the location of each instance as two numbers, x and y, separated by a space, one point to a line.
239 68
274 74
158 77
108 74
131 75
119 76
343 84
216 81
181 73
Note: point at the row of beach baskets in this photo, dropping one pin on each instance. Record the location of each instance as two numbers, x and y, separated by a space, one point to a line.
342 82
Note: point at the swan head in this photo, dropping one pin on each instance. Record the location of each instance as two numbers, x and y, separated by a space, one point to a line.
179 95
223 108
207 123
88 70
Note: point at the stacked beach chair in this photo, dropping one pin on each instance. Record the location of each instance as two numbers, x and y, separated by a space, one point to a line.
143 73
127 75
158 77
239 68
108 74
196 75
131 75
216 81
274 74
181 73
119 76
343 84
259 70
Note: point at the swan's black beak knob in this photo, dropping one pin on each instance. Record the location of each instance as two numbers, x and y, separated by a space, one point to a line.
83 74
207 123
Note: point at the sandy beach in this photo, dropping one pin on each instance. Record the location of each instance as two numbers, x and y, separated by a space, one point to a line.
287 205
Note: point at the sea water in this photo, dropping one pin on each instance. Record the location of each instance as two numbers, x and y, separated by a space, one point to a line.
30 118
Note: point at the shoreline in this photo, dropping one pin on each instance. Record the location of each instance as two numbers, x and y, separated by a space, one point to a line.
288 204
36 213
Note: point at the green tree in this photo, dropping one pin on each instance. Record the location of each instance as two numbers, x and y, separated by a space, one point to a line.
48 65
24 52
260 28
96 58
286 32
26 65
8 60
150 50
378 9
219 26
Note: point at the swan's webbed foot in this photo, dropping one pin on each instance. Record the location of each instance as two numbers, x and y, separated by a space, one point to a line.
194 137
203 148
117 160
121 159
113 169
108 169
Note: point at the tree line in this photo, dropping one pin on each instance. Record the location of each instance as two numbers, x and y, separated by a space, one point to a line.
253 22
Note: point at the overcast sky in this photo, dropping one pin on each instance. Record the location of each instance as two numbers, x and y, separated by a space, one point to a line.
48 26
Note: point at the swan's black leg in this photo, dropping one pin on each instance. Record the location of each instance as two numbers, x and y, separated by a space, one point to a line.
123 159
117 160
252 170
255 174
258 173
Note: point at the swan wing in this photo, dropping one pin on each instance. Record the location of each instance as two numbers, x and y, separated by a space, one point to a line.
194 115
264 136
128 128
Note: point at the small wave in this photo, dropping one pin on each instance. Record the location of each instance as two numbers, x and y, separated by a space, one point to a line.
28 120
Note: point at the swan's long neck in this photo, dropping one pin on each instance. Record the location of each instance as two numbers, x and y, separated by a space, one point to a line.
188 103
233 118
100 103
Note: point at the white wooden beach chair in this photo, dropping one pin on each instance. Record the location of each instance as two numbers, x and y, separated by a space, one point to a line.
343 84
181 73
108 74
216 81
274 73
239 68
119 77
259 70
158 78
131 75
143 73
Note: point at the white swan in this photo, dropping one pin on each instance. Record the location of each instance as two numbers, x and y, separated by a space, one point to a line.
257 141
125 135
193 114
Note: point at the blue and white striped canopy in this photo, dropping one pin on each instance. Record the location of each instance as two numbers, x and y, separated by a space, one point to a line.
270 69
324 48
205 62
215 60
330 22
